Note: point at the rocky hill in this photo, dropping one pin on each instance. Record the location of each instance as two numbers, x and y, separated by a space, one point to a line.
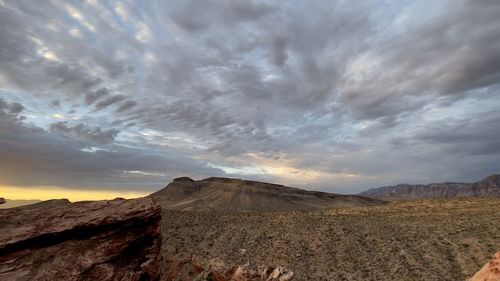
489 186
101 240
236 195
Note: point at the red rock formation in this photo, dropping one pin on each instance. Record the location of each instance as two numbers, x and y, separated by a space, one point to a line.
490 271
101 240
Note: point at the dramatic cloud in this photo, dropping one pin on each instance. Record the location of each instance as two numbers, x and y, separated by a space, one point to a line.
95 135
90 98
324 95
126 105
109 101
33 156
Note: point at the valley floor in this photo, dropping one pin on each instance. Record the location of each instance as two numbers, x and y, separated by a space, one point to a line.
412 240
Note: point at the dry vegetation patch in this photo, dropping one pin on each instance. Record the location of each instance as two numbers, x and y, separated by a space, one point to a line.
408 240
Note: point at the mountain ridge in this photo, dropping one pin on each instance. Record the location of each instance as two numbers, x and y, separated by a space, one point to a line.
237 195
488 186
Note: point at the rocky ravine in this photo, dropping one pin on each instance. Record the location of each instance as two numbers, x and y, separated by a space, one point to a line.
489 186
101 240
236 195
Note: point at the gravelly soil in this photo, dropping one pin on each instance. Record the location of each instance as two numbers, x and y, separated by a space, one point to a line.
412 240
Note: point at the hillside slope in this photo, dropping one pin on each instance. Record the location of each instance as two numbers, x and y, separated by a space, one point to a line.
8 203
236 195
489 186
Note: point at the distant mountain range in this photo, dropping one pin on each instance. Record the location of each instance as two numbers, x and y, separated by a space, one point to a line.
489 186
8 203
236 195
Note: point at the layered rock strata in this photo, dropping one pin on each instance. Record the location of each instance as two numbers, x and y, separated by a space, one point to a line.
99 240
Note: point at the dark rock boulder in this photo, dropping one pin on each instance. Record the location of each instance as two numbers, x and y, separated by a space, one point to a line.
98 240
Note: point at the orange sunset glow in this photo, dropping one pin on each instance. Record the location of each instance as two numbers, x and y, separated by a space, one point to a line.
46 193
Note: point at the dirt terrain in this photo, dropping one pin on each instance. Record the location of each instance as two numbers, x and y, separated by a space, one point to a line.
441 239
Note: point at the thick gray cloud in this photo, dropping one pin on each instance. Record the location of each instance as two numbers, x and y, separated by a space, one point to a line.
109 101
468 137
33 156
278 51
449 57
195 15
90 98
126 105
16 108
319 94
79 131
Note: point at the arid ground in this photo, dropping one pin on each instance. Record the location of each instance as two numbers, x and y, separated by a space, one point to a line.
408 240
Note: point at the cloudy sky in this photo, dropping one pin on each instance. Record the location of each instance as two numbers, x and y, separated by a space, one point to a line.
338 96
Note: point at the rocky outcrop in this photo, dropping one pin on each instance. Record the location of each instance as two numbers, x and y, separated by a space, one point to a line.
417 191
487 187
195 270
236 195
100 240
2 200
243 274
490 271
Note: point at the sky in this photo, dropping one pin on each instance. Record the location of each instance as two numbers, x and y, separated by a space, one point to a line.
117 98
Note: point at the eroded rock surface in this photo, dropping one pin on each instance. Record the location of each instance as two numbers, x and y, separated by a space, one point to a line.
99 240
490 271
215 271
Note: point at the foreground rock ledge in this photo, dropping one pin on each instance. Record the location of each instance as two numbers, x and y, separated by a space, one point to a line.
490 271
100 240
